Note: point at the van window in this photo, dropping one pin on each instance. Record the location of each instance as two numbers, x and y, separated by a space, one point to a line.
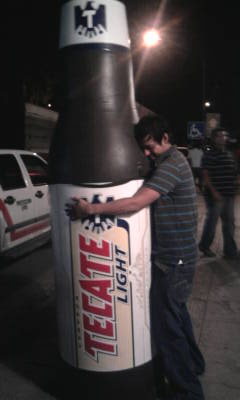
37 169
10 174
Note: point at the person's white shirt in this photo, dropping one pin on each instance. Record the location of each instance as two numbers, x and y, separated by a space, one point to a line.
195 156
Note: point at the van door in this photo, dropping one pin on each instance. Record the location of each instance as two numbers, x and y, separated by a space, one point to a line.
37 172
16 203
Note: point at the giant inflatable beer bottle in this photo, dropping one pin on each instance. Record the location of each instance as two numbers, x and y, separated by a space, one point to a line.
102 265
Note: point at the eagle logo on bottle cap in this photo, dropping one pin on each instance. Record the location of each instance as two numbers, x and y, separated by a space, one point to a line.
90 21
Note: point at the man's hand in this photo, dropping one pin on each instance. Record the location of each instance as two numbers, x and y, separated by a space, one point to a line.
78 209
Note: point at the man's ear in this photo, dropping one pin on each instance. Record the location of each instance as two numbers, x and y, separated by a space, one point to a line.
165 138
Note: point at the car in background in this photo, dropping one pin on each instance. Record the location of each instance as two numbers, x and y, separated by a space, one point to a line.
24 202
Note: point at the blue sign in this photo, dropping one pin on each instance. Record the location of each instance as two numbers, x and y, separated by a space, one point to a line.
196 130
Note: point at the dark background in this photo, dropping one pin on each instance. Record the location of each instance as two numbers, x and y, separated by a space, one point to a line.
196 60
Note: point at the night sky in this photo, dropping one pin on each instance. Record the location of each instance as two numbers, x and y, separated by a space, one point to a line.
198 53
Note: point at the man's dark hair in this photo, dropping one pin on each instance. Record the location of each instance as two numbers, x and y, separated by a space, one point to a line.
151 125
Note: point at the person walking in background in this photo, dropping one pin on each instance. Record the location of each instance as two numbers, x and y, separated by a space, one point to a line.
195 158
220 174
171 191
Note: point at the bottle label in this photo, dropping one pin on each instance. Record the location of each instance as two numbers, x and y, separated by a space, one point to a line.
94 22
110 271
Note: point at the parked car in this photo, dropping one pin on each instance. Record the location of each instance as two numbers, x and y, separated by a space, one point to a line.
24 202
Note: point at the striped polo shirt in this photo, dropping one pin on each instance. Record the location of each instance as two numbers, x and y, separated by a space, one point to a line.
222 170
174 214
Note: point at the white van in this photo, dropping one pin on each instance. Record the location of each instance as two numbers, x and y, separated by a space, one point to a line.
24 202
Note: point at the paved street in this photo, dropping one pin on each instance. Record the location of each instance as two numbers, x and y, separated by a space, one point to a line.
215 309
30 366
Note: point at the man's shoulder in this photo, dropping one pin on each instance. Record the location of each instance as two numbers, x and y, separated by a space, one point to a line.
177 153
209 153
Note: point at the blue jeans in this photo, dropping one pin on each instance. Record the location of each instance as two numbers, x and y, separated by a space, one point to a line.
178 356
225 210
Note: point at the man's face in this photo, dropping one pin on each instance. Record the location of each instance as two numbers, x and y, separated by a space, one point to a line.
221 138
151 148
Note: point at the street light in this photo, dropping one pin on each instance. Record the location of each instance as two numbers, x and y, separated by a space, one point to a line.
151 38
207 104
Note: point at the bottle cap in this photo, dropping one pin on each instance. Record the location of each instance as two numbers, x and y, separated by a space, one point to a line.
94 22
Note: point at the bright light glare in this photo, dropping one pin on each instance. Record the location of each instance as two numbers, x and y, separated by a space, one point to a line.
151 38
207 104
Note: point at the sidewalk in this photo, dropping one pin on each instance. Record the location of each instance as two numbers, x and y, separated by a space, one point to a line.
215 309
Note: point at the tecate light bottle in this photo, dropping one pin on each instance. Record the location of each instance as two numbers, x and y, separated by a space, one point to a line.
102 265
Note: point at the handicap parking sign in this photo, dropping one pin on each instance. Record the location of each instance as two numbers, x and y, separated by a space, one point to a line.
196 129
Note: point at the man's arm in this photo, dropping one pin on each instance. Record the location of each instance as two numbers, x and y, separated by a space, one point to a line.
208 183
128 205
